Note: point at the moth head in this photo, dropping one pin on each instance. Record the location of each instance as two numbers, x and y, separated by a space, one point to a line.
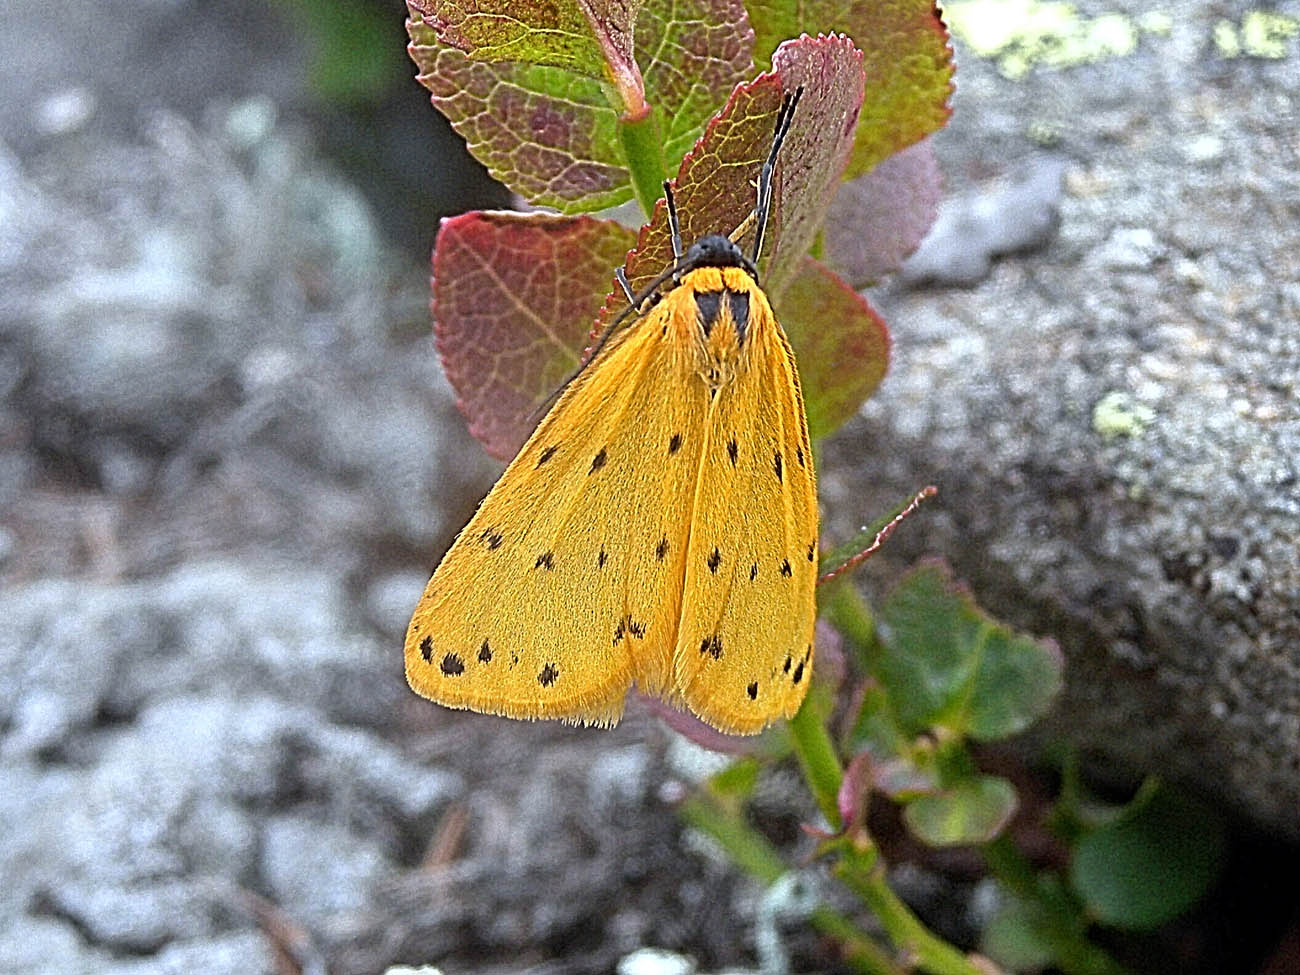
715 250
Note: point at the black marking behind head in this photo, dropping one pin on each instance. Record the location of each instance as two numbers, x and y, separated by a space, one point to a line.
707 306
738 305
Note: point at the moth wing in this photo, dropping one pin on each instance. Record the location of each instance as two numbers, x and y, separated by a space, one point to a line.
745 648
565 587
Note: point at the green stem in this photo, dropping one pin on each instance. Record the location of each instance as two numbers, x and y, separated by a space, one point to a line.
817 758
643 150
757 857
864 874
1073 953
846 610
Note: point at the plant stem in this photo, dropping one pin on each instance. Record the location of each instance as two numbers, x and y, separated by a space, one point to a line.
817 758
643 150
864 874
757 857
846 610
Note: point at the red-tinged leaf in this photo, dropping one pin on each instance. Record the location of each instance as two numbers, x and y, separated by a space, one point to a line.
714 188
696 731
840 343
879 219
552 134
514 297
908 64
855 792
591 38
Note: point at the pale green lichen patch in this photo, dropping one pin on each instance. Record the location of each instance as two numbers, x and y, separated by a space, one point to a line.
1023 34
1262 34
1118 414
1020 34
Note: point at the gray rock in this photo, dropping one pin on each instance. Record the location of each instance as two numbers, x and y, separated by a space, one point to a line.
1114 420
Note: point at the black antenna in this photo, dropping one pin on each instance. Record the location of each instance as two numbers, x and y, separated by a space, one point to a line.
764 205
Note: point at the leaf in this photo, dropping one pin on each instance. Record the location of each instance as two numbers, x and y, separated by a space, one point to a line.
1152 863
877 220
714 187
908 64
514 299
840 343
551 133
592 39
972 811
945 662
1019 936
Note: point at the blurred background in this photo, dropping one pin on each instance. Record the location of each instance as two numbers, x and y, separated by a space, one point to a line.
229 461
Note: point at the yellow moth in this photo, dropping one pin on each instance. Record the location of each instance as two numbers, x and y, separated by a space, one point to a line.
659 527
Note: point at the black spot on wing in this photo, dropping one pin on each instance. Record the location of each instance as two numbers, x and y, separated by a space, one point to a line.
545 561
662 548
598 461
715 560
798 673
788 661
753 572
776 464
752 691
601 559
675 443
799 454
485 652
712 645
733 450
812 549
452 665
548 675
426 650
547 454
785 568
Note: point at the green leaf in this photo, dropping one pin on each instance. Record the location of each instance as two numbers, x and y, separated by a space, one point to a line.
1152 863
972 811
1018 937
714 188
592 39
908 64
840 343
943 661
548 126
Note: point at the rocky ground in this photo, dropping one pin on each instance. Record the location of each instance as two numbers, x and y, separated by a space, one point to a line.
228 459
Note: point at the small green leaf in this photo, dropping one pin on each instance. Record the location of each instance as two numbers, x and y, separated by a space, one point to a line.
1018 937
972 811
945 662
737 779
1152 863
